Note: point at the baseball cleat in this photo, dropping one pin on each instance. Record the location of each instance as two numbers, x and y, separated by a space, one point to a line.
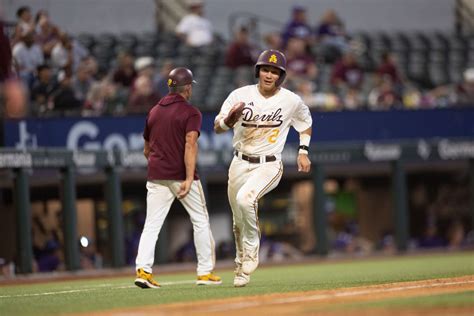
241 279
249 264
208 279
145 280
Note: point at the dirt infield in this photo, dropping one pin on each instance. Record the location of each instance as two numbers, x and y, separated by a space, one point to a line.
327 302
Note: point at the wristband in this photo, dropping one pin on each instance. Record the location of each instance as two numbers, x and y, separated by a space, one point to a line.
303 150
305 140
223 125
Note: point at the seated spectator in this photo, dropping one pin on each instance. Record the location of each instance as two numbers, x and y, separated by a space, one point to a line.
95 103
317 100
384 96
143 98
145 66
48 258
46 239
92 66
64 99
47 34
332 37
299 64
24 24
353 99
105 97
240 52
431 239
388 69
297 26
464 92
160 80
82 82
42 90
67 54
387 244
125 73
414 98
194 29
347 73
27 56
458 94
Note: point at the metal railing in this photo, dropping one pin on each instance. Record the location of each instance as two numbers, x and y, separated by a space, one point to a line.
169 13
464 14
253 22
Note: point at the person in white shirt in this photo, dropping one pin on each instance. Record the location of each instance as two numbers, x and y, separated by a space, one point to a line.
27 56
67 53
193 28
261 116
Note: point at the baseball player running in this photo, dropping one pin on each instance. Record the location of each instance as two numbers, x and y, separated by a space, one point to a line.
260 116
171 133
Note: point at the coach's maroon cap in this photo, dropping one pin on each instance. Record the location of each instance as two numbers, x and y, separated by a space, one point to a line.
180 77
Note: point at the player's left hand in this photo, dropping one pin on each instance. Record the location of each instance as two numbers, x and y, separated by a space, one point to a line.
184 188
304 165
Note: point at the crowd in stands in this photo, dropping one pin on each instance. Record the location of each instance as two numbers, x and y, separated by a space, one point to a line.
49 72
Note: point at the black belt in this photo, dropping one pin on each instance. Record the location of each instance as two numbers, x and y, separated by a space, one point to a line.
255 159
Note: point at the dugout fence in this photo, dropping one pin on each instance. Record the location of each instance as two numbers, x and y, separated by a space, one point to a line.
396 154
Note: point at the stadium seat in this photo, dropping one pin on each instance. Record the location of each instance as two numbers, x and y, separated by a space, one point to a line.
417 43
457 58
164 49
144 50
86 40
105 39
438 75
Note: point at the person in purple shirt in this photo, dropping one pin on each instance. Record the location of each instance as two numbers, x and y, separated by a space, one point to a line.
297 26
171 132
347 73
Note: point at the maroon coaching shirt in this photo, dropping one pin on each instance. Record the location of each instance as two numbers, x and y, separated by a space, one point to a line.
166 127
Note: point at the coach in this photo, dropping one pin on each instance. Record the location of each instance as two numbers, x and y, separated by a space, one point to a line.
171 132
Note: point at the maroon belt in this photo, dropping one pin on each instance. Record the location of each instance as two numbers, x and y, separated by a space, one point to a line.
255 159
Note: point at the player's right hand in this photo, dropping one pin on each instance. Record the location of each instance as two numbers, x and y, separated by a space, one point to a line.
184 188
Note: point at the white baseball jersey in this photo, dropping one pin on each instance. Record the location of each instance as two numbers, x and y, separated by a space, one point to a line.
265 122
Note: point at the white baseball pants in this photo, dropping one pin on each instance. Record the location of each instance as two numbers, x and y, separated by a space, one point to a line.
248 182
160 196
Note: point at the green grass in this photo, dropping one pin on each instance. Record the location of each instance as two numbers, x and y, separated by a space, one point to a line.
103 294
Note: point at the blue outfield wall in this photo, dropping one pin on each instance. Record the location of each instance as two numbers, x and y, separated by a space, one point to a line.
126 132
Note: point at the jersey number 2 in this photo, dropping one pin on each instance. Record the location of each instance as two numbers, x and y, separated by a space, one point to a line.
273 135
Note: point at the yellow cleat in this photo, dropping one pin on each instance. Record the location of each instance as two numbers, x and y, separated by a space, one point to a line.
209 279
145 280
